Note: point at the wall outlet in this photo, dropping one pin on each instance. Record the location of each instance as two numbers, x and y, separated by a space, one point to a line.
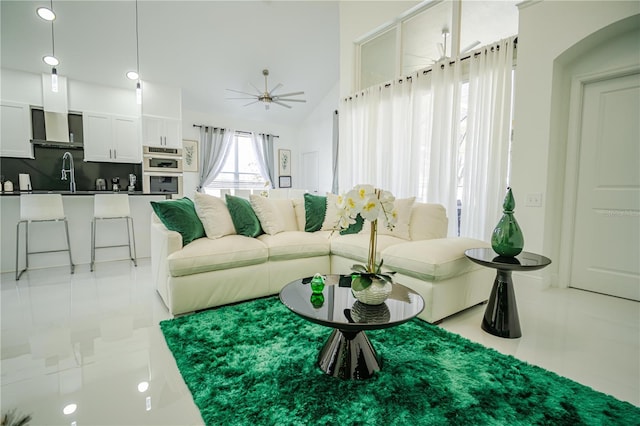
533 200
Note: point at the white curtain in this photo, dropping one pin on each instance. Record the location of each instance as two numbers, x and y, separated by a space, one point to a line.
405 137
486 159
263 146
214 147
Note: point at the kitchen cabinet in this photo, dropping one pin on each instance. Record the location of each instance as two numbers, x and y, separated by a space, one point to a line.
15 136
111 138
161 131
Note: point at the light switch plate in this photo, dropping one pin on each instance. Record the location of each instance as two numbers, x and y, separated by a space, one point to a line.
533 200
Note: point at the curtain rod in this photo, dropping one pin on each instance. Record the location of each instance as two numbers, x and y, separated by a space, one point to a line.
243 132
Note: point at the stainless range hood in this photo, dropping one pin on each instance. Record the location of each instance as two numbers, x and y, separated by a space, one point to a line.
55 115
56 108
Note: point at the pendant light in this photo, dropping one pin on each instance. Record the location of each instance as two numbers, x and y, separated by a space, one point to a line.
135 75
49 15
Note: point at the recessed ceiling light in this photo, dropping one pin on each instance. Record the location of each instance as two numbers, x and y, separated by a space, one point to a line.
143 386
69 409
46 13
51 60
132 75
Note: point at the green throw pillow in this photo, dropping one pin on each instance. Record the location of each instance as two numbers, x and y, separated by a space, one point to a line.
354 228
180 216
243 217
315 208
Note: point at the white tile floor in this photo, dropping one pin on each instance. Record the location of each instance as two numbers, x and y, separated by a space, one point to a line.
91 339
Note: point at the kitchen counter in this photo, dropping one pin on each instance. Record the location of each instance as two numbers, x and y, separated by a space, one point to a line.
80 193
78 207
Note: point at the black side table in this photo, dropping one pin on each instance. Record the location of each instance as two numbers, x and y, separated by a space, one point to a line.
501 316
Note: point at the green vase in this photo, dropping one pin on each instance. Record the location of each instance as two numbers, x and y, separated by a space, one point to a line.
507 239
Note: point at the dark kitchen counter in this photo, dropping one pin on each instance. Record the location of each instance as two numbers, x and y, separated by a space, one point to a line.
84 193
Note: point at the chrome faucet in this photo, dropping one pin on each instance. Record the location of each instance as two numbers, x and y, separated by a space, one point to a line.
72 170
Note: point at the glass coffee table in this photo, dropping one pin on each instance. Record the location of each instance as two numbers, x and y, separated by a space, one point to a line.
501 315
348 353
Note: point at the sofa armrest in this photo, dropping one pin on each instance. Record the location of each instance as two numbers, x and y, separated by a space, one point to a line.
163 243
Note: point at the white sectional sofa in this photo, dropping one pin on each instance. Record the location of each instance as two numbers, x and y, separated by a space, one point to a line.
223 267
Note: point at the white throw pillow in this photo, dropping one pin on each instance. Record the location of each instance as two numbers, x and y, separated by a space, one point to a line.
332 214
269 214
214 215
403 206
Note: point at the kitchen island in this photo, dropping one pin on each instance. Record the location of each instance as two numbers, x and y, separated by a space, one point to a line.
78 207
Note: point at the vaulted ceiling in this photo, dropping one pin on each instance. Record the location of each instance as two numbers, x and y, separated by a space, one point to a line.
204 47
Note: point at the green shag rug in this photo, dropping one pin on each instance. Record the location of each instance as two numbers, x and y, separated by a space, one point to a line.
255 363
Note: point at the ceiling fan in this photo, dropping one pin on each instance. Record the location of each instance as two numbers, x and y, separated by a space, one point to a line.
442 51
268 96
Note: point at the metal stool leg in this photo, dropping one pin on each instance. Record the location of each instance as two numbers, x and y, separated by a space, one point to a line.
66 229
93 243
18 271
132 241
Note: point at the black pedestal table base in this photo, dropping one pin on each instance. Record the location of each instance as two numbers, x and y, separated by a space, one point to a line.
501 315
349 355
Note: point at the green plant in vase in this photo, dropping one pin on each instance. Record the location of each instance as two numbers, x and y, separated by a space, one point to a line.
369 284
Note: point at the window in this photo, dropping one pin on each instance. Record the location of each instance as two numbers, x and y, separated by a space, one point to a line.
426 35
241 172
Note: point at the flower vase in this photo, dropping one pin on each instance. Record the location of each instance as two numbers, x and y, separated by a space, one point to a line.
375 294
507 239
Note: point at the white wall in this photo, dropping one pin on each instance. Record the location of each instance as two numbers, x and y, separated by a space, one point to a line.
288 139
20 86
550 38
316 134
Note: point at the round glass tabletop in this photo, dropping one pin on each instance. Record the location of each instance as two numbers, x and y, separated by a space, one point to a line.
525 261
337 308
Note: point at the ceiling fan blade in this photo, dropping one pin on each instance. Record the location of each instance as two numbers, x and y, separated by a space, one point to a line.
244 93
281 104
251 103
252 97
279 85
279 98
291 94
257 90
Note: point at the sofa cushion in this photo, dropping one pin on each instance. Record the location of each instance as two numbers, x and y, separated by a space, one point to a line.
244 218
296 245
403 208
356 246
315 209
298 207
214 214
428 221
204 255
275 214
180 216
432 260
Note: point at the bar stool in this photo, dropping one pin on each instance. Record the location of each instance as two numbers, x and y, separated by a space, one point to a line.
40 208
109 207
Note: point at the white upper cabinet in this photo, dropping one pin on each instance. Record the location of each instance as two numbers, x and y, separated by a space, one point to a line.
15 133
161 132
111 138
161 116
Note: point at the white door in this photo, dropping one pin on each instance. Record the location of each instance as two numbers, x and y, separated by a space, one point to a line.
310 172
606 246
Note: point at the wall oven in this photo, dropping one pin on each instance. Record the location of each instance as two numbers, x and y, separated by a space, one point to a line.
162 170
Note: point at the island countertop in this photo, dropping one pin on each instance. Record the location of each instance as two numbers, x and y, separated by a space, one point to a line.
84 193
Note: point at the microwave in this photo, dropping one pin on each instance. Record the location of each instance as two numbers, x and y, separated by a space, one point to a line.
162 164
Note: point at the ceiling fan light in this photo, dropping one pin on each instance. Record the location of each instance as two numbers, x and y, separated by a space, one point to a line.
132 75
50 60
46 13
